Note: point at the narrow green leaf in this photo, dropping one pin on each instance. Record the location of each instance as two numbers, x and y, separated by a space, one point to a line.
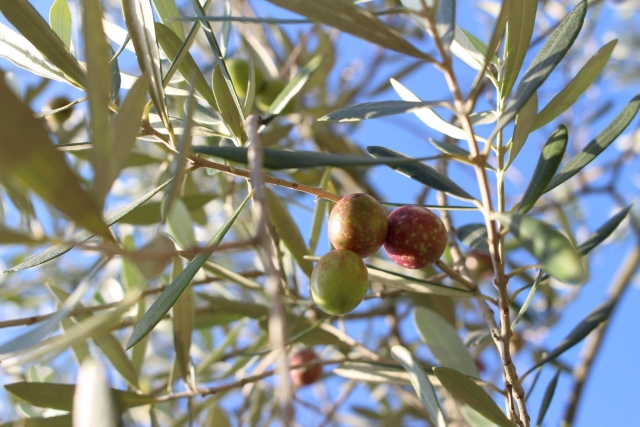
464 48
150 213
25 55
181 225
228 110
138 17
30 24
527 301
412 284
419 381
546 400
167 299
604 231
286 159
183 317
547 166
576 87
598 144
288 230
458 153
354 20
544 62
84 235
369 372
467 391
115 78
445 19
520 24
168 12
374 110
295 86
9 236
584 328
60 396
524 126
222 347
28 154
126 127
60 21
97 55
319 213
550 247
56 421
496 37
422 173
132 278
443 341
171 45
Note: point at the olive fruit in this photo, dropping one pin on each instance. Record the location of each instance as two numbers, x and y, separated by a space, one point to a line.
304 376
416 237
339 282
57 119
269 93
239 73
358 223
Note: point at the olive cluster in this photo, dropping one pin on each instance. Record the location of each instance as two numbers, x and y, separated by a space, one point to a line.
413 237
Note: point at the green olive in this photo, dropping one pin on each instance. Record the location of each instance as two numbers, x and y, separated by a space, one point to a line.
339 282
270 92
239 72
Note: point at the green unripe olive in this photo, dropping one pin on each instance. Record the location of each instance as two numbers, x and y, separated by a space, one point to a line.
339 282
270 92
239 72
58 119
304 376
358 223
416 237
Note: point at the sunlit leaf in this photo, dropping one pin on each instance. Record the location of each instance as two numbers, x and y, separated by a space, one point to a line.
419 380
443 341
584 328
168 12
181 225
27 153
520 23
294 86
93 395
60 21
550 247
445 19
183 317
598 144
422 173
373 373
374 110
168 297
577 86
544 62
354 20
56 421
546 167
228 110
467 391
524 126
60 396
546 400
32 26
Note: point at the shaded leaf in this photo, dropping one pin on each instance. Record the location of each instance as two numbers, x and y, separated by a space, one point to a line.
422 173
467 391
288 230
374 110
546 400
544 62
60 21
477 337
520 24
84 235
10 236
443 341
60 396
167 299
27 153
598 144
474 235
183 317
413 284
171 45
226 106
419 380
354 20
138 17
584 328
57 421
546 167
577 86
550 247
445 19
524 126
181 225
604 231
295 86
458 153
31 25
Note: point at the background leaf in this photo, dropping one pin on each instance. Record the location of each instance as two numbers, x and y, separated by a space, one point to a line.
520 23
